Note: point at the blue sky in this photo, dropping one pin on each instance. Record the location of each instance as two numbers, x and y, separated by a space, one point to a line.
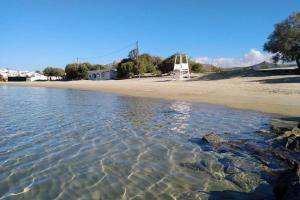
39 33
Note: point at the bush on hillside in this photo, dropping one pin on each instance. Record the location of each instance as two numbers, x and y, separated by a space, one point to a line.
216 69
197 68
167 65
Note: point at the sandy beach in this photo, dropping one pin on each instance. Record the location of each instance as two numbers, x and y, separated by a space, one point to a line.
278 94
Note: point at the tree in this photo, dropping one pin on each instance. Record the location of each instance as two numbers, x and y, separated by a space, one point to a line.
84 66
71 71
284 42
148 63
98 66
127 68
167 64
76 71
79 71
53 71
83 71
2 79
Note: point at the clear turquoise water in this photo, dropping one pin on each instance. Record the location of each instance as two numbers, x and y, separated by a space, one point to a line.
68 144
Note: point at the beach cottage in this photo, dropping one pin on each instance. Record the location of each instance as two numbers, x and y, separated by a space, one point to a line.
102 74
25 76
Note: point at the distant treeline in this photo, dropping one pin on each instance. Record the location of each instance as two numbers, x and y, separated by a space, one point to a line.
128 67
155 65
74 71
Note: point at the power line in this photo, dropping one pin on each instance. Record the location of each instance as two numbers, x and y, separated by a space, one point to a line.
108 54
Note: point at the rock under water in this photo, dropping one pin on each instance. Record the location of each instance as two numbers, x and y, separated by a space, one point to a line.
287 186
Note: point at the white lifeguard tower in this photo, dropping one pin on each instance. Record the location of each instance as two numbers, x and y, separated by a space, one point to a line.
181 67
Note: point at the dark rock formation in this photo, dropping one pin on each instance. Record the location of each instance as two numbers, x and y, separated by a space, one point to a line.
213 139
287 186
280 126
193 166
293 143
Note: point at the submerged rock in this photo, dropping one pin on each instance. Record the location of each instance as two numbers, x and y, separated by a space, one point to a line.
245 181
288 140
287 186
193 166
294 132
263 131
293 143
213 139
279 125
212 167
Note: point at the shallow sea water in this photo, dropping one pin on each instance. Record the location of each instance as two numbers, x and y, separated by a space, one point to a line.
69 144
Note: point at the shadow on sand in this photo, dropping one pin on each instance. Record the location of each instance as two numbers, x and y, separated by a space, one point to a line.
248 72
280 80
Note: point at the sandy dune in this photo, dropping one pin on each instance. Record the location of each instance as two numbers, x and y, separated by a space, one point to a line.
278 94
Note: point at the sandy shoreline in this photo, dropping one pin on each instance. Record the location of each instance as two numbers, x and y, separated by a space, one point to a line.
254 93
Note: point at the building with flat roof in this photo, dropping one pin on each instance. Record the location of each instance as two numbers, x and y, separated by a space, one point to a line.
102 74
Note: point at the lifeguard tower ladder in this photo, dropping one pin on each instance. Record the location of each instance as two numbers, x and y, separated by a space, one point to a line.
181 67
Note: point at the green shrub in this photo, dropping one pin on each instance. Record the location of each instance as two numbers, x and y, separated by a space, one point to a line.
52 71
98 66
76 71
216 69
2 79
127 68
157 73
144 64
79 71
167 64
197 68
148 63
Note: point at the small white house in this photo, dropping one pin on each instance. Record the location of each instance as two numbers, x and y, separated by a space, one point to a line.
36 77
102 74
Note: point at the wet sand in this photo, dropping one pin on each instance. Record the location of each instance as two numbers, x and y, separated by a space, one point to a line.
271 94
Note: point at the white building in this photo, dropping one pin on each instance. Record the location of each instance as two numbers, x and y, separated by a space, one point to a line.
55 78
102 74
36 77
3 73
30 76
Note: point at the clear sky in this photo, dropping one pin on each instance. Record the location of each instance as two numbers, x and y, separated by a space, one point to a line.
39 33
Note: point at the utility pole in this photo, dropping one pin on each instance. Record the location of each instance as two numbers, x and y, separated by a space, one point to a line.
137 58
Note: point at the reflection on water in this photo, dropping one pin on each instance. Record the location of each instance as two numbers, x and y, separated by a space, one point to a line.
181 116
67 144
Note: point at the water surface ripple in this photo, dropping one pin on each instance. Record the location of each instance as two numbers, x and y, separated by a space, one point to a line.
68 144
